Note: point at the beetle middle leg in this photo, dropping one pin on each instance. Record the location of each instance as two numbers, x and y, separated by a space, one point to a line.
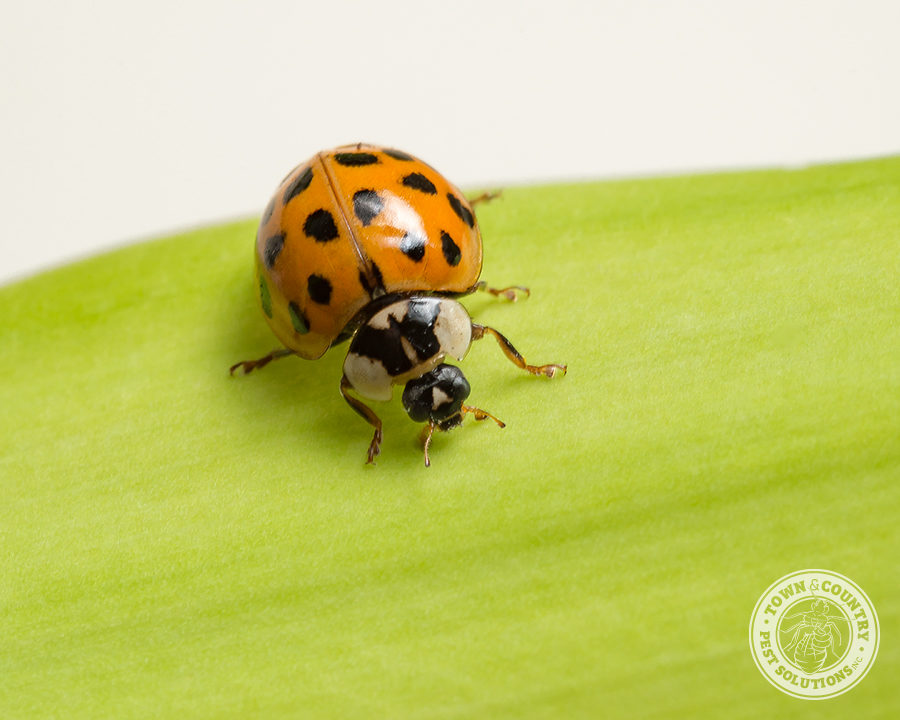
550 370
510 293
248 366
368 415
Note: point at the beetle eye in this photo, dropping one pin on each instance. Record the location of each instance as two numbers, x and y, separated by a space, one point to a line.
437 395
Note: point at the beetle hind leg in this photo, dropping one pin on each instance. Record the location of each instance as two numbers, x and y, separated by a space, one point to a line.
368 415
248 366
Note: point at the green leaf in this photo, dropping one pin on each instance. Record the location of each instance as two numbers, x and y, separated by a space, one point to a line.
180 543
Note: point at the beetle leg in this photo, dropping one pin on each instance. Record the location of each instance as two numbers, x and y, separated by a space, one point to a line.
485 197
508 292
368 415
481 414
428 430
427 433
478 332
248 366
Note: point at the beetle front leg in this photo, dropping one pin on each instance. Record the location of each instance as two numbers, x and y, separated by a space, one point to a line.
427 434
368 415
478 332
481 414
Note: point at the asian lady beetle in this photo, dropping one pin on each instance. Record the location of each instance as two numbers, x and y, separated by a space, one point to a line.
371 244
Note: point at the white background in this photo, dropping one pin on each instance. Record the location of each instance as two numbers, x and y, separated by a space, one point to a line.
123 120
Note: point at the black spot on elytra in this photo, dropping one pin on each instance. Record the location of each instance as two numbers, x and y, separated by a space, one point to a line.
298 185
320 226
376 275
273 248
265 299
298 319
379 278
417 181
398 155
355 159
461 210
450 249
367 205
413 246
319 289
267 213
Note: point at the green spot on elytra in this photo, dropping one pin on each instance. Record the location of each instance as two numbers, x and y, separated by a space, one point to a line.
264 298
301 325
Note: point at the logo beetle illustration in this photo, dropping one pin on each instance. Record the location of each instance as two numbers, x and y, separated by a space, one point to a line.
815 637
